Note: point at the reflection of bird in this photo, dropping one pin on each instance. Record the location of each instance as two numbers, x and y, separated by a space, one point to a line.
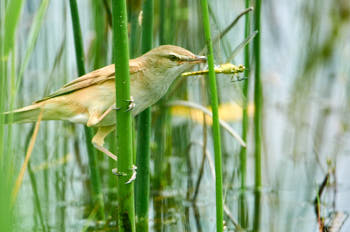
90 99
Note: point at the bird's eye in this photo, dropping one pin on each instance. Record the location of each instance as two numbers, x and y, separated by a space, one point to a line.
173 58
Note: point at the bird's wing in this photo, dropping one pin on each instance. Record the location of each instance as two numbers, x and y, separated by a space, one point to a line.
95 77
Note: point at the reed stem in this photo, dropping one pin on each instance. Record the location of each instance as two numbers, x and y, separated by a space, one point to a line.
79 52
126 217
243 153
216 125
258 115
257 97
144 132
243 214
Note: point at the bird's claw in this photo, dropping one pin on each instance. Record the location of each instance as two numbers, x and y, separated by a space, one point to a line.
133 175
131 104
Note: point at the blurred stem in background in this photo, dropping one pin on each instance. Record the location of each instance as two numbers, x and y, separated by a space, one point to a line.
12 11
162 128
7 180
134 9
160 122
79 51
243 207
36 197
258 101
98 48
142 184
162 131
126 217
216 126
245 120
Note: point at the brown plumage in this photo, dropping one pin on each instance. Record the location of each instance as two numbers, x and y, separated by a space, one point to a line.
90 99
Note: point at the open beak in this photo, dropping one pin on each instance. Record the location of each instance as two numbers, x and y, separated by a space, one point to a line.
197 60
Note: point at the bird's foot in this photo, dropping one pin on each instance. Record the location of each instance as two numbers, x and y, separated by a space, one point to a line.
133 175
131 105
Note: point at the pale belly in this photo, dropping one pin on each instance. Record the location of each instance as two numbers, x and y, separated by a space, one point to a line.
79 118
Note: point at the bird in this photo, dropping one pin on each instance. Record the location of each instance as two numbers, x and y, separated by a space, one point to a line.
90 99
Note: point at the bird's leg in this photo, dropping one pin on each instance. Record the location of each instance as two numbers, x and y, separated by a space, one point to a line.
96 117
98 140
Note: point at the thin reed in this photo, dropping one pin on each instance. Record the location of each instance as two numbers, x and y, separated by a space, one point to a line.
216 125
142 184
243 214
258 101
79 51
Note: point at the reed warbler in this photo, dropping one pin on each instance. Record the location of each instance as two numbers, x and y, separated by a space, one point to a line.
90 99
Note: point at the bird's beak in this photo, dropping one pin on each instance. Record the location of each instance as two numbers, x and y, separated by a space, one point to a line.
197 60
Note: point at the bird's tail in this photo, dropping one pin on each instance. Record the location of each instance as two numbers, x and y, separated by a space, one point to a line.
23 115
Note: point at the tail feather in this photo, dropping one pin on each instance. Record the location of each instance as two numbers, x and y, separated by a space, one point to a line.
23 115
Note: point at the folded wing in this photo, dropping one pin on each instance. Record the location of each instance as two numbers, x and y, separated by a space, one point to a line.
93 78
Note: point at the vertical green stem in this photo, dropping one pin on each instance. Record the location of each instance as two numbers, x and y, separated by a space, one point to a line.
257 97
245 123
78 40
216 126
12 14
162 22
142 162
134 35
243 154
258 115
79 52
126 217
144 133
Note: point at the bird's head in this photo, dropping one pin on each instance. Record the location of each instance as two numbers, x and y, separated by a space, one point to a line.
156 71
170 61
159 68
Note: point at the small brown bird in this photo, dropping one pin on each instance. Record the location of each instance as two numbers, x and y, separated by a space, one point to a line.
90 99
